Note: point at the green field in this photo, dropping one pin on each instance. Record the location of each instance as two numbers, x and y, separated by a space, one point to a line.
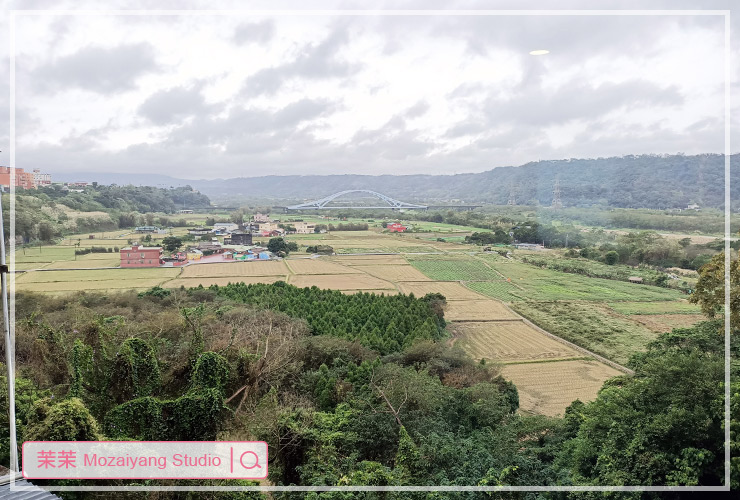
589 325
442 268
676 307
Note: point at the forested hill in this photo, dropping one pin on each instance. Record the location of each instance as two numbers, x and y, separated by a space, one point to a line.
648 181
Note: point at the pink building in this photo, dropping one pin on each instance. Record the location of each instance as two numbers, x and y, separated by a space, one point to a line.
138 256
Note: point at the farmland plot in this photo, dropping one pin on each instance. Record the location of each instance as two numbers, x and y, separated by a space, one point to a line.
112 275
664 307
371 260
452 291
228 269
340 281
318 266
72 286
509 341
549 388
477 310
456 270
394 272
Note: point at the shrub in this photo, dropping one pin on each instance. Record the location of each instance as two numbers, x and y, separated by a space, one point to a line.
68 420
135 371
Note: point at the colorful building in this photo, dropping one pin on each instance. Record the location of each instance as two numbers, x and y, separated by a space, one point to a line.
396 228
139 256
17 178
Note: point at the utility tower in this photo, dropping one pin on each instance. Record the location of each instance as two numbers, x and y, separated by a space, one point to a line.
512 195
556 202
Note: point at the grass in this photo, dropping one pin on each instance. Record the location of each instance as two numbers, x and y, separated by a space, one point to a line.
44 254
675 307
589 325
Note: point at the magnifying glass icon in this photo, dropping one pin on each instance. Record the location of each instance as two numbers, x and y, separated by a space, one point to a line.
256 460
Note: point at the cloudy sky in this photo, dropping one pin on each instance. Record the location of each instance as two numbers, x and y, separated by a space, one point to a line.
244 94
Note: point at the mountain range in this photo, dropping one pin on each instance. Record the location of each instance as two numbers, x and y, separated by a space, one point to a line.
644 181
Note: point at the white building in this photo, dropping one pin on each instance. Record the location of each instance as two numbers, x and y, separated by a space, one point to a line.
41 179
304 227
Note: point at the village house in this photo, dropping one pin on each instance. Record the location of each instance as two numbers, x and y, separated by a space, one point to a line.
396 228
304 227
140 256
225 227
238 238
261 218
635 279
199 231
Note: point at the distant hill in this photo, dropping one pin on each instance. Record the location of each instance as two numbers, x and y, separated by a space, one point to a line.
646 181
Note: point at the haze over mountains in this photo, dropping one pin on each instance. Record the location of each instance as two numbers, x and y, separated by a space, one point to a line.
646 181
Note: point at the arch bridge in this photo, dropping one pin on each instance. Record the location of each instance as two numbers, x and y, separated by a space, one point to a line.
323 202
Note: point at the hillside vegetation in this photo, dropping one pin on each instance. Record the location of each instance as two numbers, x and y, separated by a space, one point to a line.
646 181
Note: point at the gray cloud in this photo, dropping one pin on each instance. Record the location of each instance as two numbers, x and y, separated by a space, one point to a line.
261 32
173 104
97 69
578 100
313 62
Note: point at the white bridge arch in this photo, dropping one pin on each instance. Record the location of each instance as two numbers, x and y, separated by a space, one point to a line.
323 202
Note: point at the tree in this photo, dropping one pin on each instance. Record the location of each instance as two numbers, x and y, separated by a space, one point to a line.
710 289
684 242
611 257
171 243
276 245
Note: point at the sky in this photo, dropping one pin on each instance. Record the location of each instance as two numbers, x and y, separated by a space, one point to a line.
249 93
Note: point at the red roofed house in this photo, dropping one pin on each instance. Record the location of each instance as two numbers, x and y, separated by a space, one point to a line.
396 228
138 256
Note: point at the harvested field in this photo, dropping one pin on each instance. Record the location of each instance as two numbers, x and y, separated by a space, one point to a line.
71 278
394 272
81 263
666 322
208 281
376 292
548 388
228 269
70 286
480 310
318 266
340 281
371 260
452 291
509 341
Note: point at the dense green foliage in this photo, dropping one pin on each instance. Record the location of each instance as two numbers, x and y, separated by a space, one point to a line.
662 426
128 198
384 323
279 245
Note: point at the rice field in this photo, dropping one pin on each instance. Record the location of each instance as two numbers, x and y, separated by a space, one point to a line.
461 269
509 341
370 260
477 310
548 388
88 275
317 266
393 272
452 291
74 286
340 281
236 269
